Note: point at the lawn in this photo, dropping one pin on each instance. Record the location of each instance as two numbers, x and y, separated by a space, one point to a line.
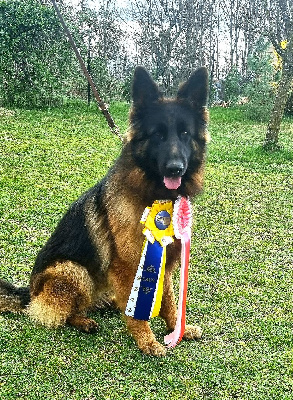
241 272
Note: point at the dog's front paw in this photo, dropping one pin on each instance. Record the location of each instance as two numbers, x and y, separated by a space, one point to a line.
153 348
192 332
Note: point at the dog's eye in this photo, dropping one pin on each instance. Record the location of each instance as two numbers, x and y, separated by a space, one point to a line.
158 134
184 134
159 131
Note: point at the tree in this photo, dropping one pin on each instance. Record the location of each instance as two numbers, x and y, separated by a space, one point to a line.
283 31
100 34
175 37
260 83
272 19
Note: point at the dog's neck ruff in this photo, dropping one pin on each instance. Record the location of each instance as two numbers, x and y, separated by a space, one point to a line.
161 223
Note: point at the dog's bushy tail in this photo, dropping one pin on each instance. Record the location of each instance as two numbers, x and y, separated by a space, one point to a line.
13 298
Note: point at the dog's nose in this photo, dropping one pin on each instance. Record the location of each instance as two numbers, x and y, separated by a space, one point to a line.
174 168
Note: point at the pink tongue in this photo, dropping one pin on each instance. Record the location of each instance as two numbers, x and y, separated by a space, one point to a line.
172 183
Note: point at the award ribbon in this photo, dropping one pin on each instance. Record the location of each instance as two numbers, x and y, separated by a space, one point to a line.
161 223
145 298
182 221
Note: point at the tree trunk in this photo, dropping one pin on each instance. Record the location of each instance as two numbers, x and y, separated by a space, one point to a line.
273 129
283 93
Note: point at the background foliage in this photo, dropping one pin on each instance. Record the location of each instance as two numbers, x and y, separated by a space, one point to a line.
38 68
261 83
36 64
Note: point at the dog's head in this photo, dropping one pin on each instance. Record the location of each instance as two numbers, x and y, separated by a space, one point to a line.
168 136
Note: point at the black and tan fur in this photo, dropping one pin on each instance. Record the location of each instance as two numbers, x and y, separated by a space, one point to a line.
96 247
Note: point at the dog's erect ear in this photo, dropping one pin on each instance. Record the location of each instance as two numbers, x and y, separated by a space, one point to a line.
144 89
196 88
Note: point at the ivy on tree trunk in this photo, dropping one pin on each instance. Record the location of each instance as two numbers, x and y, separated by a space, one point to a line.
273 129
283 93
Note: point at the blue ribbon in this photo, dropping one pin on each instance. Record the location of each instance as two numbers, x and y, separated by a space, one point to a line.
150 274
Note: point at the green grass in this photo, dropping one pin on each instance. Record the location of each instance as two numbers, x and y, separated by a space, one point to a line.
241 274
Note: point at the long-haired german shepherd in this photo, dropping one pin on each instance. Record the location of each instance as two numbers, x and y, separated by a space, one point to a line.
97 245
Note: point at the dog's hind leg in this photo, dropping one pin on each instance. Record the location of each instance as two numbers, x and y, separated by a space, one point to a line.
62 294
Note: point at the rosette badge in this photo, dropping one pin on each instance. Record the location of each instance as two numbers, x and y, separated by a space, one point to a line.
182 221
158 222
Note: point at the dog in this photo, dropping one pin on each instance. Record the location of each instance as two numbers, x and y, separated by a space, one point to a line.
95 250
